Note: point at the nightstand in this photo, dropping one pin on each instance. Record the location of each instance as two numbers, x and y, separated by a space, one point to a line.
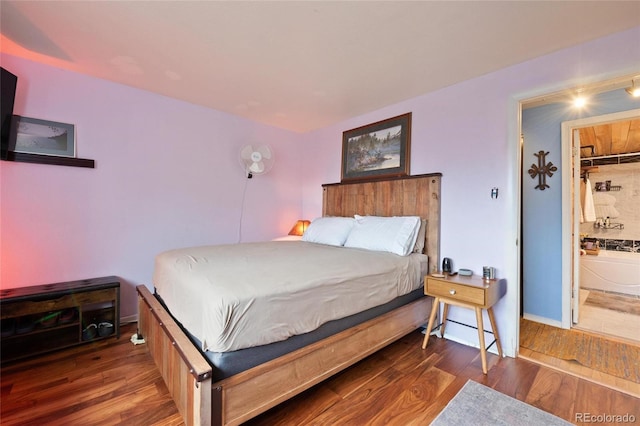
471 292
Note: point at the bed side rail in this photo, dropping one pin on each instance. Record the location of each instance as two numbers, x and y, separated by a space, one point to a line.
184 370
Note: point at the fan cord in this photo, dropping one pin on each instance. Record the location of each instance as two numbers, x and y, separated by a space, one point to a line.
244 192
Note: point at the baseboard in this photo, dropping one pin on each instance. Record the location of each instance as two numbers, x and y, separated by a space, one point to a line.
493 349
455 337
129 319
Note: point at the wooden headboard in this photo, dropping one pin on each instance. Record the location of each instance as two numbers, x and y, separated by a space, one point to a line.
407 196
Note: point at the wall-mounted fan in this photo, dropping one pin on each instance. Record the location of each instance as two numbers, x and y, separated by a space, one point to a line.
256 160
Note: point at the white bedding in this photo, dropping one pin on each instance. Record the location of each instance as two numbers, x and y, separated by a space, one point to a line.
242 295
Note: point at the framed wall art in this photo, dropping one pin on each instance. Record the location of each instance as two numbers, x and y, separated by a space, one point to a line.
42 137
377 151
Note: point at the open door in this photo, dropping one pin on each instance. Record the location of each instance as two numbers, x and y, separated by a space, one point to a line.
577 219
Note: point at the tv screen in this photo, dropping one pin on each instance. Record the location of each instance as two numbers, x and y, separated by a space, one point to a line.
8 85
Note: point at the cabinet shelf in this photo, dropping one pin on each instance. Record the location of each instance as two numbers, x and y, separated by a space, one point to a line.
40 330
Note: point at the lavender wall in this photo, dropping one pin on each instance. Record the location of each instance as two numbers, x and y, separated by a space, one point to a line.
166 176
470 132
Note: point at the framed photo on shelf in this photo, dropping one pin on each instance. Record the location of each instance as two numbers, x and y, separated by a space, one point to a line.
42 137
377 151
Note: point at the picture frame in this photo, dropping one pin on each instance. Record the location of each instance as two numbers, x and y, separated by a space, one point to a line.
377 151
43 137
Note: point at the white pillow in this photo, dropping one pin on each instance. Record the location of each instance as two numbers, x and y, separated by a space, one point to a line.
396 234
422 233
329 230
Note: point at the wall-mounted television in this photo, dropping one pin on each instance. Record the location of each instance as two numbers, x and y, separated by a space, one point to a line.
8 85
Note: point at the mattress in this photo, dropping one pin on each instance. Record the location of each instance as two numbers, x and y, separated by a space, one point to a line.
231 297
226 364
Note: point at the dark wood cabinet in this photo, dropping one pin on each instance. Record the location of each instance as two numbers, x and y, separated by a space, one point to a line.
48 317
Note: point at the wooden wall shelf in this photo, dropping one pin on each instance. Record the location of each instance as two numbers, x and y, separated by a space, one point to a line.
50 159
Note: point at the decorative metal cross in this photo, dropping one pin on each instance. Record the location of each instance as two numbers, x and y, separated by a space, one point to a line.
542 170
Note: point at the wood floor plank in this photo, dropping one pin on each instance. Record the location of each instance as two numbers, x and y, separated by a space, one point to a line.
408 407
432 409
595 400
514 378
453 359
46 411
350 380
111 410
356 409
304 408
553 392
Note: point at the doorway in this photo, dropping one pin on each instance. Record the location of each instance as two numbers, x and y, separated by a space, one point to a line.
602 293
557 230
549 232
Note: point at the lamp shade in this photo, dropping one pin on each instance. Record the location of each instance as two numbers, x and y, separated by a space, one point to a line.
299 227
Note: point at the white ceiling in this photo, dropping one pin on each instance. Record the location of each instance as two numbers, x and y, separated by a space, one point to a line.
299 65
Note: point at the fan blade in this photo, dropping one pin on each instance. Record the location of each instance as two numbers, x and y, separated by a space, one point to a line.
246 152
265 151
257 167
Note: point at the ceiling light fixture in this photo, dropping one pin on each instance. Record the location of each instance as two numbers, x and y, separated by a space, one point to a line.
633 90
579 98
579 101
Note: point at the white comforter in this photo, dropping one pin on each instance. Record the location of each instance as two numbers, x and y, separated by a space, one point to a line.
242 295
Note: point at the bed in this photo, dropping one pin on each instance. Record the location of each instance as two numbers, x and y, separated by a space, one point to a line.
204 396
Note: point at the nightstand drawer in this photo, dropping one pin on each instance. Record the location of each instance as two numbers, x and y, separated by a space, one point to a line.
455 291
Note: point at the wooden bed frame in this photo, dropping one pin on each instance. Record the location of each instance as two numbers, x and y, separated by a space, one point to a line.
245 395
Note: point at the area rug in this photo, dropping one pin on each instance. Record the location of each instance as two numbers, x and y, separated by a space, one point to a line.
616 358
614 302
478 405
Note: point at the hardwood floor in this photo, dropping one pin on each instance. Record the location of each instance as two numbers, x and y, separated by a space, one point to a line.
115 382
110 382
610 361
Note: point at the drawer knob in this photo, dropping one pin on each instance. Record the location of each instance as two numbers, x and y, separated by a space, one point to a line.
452 292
